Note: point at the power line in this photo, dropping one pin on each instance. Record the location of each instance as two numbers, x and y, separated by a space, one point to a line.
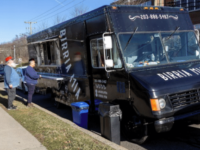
62 11
48 10
54 11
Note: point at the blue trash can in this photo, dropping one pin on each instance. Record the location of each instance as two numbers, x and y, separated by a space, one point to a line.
80 114
96 103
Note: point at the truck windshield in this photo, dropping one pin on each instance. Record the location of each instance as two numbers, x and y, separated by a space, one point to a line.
147 49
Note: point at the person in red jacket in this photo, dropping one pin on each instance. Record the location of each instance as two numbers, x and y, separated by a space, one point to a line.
31 78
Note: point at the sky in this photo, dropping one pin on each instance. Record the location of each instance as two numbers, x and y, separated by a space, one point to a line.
13 14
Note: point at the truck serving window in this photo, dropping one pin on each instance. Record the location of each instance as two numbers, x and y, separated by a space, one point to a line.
49 53
147 49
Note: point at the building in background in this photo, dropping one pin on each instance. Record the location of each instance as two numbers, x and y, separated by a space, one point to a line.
139 2
193 6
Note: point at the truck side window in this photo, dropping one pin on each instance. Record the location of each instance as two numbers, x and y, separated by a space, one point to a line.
97 52
115 52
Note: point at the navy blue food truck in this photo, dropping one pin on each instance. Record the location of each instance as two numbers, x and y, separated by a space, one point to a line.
145 59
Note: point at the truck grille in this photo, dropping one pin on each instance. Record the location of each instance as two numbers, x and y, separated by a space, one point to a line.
183 99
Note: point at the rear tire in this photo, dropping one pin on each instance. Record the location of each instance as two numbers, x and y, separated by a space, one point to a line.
57 104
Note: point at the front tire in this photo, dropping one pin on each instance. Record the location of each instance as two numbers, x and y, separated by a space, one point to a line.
133 129
132 125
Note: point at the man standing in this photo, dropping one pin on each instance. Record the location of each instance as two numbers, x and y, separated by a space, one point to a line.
79 70
31 78
11 81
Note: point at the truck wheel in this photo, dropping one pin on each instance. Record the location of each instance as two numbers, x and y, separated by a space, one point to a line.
52 98
57 104
132 125
133 131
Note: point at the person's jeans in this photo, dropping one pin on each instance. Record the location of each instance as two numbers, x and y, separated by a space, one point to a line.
31 89
11 96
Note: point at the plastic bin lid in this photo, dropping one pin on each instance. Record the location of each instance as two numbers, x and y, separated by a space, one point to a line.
81 105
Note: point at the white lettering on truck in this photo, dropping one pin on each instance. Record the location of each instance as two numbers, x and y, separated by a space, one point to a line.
153 17
173 75
67 61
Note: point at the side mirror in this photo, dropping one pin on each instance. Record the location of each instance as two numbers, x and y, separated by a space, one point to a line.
109 63
197 33
107 42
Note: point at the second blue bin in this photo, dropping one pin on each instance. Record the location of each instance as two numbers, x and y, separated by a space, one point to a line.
96 103
80 114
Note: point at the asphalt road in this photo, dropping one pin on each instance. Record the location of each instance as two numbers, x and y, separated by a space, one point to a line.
181 138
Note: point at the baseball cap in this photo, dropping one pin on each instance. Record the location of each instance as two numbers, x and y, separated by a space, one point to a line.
77 53
32 59
8 58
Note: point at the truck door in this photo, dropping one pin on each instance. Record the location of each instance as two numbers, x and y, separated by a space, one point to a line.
107 86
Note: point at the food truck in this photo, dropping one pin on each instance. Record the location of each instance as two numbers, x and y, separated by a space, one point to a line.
145 59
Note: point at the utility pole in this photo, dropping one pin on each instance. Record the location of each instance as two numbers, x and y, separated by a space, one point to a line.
30 25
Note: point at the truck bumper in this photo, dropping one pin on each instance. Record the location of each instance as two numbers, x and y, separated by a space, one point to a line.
164 125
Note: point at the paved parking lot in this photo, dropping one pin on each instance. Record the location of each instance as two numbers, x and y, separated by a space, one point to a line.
181 138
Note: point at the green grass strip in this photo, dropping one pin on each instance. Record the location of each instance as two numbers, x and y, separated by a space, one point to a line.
53 133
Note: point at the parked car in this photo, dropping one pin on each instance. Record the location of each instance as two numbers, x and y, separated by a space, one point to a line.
21 73
1 74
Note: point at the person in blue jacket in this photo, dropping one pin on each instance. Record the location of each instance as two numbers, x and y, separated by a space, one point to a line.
11 81
31 78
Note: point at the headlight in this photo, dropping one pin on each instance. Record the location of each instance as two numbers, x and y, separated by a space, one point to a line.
157 104
162 103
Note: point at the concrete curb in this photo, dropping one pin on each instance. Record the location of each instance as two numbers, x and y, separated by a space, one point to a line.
93 135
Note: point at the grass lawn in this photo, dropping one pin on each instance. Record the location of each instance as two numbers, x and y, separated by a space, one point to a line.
53 133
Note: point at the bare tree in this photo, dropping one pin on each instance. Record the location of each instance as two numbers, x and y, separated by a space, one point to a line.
58 19
21 51
79 11
42 26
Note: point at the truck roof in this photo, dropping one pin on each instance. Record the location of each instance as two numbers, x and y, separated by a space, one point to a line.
102 10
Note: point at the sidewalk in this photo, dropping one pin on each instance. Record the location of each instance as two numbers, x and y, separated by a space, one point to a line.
14 137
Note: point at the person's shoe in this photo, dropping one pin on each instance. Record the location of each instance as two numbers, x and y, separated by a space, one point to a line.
12 108
29 105
32 105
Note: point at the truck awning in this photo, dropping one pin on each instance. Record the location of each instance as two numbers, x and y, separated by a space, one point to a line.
43 41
